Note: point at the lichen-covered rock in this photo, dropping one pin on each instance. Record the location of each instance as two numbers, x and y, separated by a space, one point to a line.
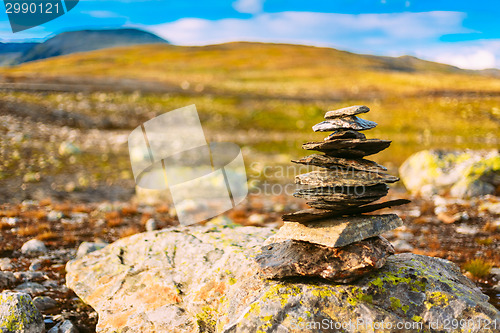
460 173
204 279
18 314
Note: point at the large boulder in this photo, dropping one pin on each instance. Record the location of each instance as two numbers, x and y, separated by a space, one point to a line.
461 174
204 279
18 314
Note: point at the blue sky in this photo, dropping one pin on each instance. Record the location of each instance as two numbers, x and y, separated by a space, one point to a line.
462 33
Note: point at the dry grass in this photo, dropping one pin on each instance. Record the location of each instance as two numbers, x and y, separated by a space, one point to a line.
47 235
129 231
479 268
34 229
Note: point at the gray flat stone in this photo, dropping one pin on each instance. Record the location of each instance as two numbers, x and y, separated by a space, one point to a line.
296 258
348 147
339 198
345 134
337 232
347 164
340 178
312 214
350 122
348 111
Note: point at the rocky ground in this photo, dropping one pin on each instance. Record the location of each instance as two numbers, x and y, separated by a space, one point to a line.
465 232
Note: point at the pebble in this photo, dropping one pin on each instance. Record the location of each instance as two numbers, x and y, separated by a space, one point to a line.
7 279
33 246
29 275
256 219
401 245
35 265
88 247
44 303
64 327
495 272
151 225
6 264
54 216
31 288
467 230
405 236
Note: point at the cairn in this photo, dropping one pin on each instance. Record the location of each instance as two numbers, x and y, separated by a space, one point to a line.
333 240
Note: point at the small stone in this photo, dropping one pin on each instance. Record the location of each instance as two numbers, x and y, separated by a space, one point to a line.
353 148
348 111
35 265
53 216
337 232
345 264
350 122
64 327
88 247
346 134
7 280
151 225
256 219
31 288
44 303
6 264
467 230
495 272
317 214
327 161
401 245
339 178
18 314
33 246
29 276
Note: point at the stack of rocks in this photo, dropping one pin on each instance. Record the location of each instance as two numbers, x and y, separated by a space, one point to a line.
333 240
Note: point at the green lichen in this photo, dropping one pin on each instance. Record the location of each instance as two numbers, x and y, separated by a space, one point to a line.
417 318
437 298
206 319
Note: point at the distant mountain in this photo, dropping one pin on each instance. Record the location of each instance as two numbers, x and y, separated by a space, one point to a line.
10 51
87 40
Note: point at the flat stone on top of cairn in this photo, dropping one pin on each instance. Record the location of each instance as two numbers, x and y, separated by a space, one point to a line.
348 111
333 240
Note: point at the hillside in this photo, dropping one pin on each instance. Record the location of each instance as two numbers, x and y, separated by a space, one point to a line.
10 51
266 96
87 40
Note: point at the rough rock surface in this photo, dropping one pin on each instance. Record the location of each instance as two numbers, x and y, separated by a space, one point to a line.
340 198
341 163
348 111
345 264
338 178
462 174
349 122
312 214
354 148
337 231
18 314
203 279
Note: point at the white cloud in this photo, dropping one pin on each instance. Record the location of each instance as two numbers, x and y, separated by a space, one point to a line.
248 6
392 34
101 14
469 54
